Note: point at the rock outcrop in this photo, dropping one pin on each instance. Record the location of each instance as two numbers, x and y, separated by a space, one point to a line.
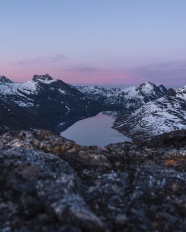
48 183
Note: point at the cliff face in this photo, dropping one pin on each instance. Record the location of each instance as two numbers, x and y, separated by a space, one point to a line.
49 183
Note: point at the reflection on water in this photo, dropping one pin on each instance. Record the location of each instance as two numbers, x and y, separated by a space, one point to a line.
94 131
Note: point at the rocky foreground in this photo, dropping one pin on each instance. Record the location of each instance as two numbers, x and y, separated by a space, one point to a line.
48 183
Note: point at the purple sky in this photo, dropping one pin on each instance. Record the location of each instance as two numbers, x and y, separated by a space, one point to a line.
108 43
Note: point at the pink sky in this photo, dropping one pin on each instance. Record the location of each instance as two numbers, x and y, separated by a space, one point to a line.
107 43
158 73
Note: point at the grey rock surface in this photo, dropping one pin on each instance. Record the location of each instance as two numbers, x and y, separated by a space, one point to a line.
48 183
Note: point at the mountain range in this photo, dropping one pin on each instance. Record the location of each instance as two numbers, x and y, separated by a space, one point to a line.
165 114
44 103
50 183
129 98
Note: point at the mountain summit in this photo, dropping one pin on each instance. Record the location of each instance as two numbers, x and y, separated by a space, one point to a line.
4 79
129 98
45 77
42 103
165 114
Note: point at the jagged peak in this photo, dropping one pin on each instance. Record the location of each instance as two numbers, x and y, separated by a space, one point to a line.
147 84
4 79
45 77
183 88
171 92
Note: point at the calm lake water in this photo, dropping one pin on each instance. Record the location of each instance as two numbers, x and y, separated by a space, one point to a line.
94 131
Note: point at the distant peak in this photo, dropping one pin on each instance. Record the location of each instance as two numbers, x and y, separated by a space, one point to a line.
45 77
171 92
150 85
147 83
4 79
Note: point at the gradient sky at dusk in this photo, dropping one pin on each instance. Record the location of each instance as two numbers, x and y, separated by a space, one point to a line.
100 42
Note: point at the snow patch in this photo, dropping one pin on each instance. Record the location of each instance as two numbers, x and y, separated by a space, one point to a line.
62 91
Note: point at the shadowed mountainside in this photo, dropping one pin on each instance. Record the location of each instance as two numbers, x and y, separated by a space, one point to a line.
42 103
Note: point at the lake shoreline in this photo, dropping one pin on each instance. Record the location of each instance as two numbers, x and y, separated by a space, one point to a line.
94 131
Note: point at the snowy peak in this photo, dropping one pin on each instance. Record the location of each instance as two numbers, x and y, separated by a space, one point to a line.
42 78
4 79
151 91
165 114
146 86
162 88
181 92
128 98
44 100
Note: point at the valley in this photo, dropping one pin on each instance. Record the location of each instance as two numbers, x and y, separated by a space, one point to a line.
140 112
67 167
94 131
46 103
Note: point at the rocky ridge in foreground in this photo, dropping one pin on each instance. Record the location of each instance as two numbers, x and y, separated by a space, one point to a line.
49 183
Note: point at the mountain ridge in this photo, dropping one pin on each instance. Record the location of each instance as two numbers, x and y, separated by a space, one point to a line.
129 98
43 102
54 101
157 117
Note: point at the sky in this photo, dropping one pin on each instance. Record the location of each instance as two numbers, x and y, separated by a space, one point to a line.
94 42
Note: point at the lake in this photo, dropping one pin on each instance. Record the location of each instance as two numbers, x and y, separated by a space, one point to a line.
94 131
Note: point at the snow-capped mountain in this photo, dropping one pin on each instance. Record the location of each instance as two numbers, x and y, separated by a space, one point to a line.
128 98
162 115
42 99
3 79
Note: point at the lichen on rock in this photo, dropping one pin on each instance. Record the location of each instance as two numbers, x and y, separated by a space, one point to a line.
48 183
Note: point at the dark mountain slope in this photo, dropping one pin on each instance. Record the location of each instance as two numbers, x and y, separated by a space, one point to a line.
43 103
